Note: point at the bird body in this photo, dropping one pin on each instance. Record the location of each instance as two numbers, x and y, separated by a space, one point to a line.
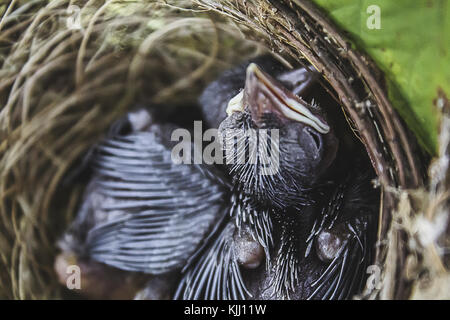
141 211
312 216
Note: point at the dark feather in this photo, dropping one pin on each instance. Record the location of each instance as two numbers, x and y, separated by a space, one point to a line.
257 220
345 274
216 274
166 210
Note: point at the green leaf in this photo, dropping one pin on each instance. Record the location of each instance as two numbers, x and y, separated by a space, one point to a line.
412 48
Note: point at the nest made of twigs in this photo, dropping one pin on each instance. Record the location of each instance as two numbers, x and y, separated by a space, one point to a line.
70 68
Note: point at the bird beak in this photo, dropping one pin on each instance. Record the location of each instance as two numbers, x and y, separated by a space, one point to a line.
264 94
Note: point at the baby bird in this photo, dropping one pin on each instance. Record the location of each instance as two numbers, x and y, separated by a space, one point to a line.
141 212
313 217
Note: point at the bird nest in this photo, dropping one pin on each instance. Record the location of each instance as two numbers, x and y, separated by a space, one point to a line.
71 68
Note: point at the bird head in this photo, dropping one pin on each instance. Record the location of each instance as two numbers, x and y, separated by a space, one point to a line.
269 123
